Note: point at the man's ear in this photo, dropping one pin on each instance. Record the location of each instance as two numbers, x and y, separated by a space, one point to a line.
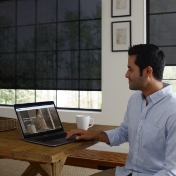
149 71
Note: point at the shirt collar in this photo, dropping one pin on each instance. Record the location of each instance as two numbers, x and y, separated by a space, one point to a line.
160 94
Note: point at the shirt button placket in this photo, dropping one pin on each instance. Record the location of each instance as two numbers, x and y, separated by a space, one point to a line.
135 157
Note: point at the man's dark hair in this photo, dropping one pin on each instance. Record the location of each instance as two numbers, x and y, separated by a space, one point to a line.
149 55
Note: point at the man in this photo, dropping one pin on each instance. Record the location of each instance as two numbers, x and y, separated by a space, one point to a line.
150 121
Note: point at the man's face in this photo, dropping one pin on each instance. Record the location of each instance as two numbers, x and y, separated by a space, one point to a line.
136 82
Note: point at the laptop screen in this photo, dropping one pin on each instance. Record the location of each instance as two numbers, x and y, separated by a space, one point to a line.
36 118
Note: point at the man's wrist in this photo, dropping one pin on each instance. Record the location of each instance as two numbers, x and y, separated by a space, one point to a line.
100 136
97 136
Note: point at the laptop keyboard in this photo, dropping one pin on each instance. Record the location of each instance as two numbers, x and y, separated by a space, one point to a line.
53 137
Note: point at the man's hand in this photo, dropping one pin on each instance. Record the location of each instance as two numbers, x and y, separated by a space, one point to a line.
88 135
83 134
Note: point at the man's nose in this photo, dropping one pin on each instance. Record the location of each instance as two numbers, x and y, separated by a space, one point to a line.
126 74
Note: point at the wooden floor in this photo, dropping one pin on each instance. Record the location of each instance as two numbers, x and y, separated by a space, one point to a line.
96 159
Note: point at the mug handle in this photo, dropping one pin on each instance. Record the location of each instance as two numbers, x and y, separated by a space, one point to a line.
92 122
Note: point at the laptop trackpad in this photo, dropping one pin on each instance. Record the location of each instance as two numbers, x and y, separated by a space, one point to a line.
60 141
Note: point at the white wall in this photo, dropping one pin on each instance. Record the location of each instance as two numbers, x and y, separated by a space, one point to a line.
115 92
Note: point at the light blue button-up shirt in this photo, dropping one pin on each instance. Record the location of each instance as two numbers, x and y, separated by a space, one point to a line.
151 133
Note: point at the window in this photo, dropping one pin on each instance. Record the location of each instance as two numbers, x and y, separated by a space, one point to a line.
161 30
51 50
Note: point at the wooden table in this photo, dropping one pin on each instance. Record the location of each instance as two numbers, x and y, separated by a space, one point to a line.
48 161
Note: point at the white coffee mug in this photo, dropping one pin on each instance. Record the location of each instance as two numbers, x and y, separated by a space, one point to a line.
83 122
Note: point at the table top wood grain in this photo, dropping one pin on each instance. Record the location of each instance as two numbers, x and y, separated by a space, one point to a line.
13 146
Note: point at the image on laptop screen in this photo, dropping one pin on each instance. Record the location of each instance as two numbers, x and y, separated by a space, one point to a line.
36 119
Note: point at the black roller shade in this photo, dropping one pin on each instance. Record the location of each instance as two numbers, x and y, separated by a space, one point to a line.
50 44
161 27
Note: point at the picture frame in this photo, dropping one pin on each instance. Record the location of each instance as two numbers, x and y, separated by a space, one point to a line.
121 35
120 8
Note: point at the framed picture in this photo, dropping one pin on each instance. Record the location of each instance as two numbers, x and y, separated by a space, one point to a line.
120 8
121 35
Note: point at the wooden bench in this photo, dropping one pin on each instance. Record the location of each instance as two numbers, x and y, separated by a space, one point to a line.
96 159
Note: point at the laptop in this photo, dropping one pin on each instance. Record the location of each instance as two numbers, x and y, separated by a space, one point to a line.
41 124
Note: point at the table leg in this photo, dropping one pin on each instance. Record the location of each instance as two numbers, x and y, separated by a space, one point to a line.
52 169
30 171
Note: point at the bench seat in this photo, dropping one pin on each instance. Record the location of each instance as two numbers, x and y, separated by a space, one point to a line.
96 159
